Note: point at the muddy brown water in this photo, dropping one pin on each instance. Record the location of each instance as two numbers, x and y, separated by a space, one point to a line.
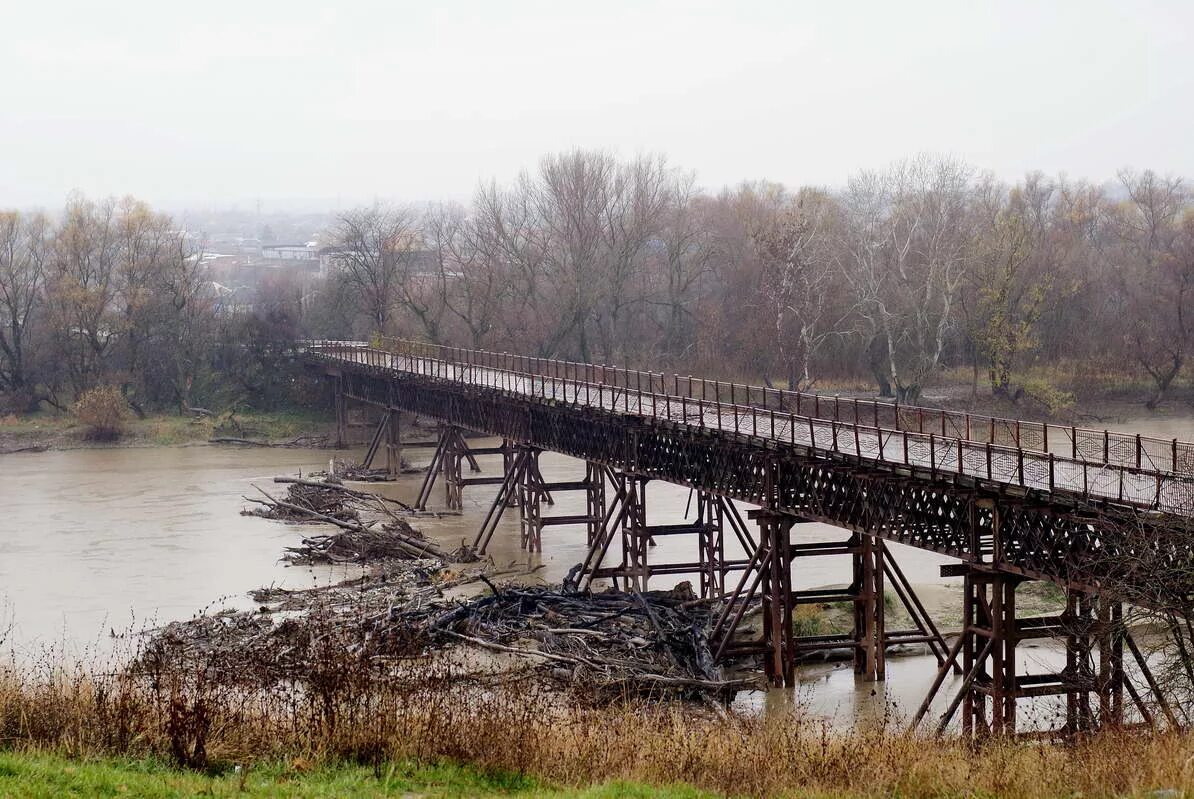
97 540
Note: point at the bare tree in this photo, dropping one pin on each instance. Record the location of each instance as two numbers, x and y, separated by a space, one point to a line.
473 280
800 265
1156 275
1013 272
641 193
682 270
147 245
575 237
186 328
84 287
24 244
906 237
375 249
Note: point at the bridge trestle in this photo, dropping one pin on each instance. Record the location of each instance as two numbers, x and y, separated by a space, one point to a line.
387 436
523 486
451 450
626 520
1085 692
536 492
768 579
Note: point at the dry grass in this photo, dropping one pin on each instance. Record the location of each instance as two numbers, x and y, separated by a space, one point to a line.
429 714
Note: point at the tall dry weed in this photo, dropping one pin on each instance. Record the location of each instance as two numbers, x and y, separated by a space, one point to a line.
356 710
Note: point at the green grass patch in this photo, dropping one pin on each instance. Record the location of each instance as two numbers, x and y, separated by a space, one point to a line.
37 775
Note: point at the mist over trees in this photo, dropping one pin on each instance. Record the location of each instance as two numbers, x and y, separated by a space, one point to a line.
925 272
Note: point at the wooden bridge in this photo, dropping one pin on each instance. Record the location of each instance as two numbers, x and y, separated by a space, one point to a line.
1101 514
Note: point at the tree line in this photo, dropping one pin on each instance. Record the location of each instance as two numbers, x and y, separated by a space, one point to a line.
902 273
899 275
112 293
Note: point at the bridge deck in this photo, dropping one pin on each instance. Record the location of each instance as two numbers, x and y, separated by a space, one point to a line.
1151 488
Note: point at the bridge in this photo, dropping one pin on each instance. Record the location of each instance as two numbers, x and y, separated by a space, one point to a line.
1104 515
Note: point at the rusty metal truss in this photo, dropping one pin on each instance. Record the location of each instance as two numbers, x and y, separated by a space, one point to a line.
1002 530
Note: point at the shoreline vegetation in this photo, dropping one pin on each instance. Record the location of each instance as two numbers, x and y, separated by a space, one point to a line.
1108 405
79 733
44 431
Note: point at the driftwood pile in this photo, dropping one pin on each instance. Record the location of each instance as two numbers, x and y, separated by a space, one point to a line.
600 647
607 645
387 536
294 634
308 501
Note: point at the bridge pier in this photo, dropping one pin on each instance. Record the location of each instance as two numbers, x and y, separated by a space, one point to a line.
341 405
768 577
450 450
626 519
779 632
386 437
524 487
1092 682
393 443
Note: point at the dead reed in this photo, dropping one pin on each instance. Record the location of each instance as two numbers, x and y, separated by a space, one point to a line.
349 709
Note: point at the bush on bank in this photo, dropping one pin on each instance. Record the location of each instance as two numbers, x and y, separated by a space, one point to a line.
102 410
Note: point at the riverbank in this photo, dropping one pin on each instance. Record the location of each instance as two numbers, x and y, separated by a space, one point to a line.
41 432
68 737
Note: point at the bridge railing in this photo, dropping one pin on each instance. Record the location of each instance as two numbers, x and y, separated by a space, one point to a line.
1077 443
940 455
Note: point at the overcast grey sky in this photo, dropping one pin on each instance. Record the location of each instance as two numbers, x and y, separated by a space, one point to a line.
218 103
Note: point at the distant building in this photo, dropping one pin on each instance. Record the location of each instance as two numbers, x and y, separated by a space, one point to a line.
308 252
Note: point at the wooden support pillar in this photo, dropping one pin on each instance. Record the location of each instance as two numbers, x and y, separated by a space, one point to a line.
451 451
516 459
626 519
341 402
870 636
534 492
1094 671
530 499
607 529
1091 684
775 589
393 443
594 500
454 454
636 540
711 517
1110 676
445 461
989 653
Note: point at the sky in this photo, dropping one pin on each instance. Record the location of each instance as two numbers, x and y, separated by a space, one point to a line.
318 105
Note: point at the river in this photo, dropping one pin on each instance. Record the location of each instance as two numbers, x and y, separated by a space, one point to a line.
102 540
